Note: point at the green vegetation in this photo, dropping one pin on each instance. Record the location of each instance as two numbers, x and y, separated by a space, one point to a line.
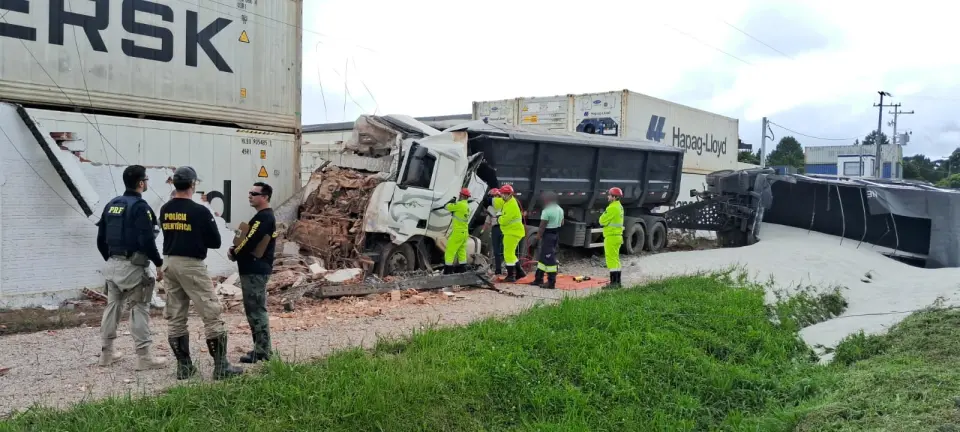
692 353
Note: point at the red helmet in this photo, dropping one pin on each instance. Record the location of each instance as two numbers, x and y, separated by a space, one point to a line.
615 191
465 192
506 190
495 192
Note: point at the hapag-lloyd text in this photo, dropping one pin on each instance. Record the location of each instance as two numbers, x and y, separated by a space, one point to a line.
699 144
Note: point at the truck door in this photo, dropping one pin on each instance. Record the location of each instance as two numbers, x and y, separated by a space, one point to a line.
414 196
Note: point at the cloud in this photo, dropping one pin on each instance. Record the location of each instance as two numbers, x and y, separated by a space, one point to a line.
431 57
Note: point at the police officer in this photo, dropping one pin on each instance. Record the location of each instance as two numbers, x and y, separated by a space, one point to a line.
548 236
126 238
612 222
189 229
456 251
255 270
511 223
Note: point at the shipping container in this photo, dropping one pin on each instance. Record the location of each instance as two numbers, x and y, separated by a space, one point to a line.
829 154
710 140
500 111
228 160
230 64
551 113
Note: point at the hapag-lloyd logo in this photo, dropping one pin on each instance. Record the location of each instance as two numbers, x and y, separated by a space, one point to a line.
699 144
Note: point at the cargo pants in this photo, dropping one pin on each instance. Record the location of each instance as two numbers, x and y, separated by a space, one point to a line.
496 242
254 288
611 252
128 282
456 252
187 280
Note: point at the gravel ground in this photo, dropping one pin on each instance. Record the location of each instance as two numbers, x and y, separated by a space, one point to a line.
58 368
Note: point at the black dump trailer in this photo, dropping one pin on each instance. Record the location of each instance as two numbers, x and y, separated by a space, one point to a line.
580 169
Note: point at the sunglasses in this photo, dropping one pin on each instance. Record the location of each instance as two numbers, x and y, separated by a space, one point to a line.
255 193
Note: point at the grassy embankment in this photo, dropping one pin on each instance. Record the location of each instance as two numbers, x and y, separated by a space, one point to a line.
693 353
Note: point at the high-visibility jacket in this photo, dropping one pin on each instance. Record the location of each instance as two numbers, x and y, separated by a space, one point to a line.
511 220
498 203
612 220
459 211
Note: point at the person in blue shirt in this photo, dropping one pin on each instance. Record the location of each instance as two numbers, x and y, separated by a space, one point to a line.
551 219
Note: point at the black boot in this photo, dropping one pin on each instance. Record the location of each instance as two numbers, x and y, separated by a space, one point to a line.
252 356
221 366
551 281
181 350
461 268
519 271
447 269
537 278
613 284
619 280
511 275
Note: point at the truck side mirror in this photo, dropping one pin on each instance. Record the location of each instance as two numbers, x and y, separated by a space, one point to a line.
414 165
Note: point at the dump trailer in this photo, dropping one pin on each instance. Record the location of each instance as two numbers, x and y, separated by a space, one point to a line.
580 169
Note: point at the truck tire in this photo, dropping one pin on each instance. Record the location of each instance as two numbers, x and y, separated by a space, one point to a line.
657 238
396 259
634 237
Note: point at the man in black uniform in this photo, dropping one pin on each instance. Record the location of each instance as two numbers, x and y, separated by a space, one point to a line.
127 241
189 229
255 270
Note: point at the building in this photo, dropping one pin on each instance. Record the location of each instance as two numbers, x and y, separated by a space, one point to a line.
828 160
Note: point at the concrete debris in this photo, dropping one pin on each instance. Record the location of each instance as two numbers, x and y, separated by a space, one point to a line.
316 269
226 289
343 275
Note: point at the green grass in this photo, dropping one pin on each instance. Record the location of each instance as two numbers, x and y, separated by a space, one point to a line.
693 353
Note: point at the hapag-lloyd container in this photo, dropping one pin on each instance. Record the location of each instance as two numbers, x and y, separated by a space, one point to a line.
236 62
711 140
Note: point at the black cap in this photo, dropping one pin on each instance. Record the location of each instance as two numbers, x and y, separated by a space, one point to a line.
185 174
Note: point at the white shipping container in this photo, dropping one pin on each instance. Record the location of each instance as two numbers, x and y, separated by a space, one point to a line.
500 111
228 160
550 113
829 154
710 140
236 62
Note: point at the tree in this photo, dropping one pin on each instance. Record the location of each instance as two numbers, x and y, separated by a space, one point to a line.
951 182
871 139
749 157
789 152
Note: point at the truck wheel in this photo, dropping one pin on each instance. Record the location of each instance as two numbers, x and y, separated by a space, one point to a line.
633 239
395 259
657 238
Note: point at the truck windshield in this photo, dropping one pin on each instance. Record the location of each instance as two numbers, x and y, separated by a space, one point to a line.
419 171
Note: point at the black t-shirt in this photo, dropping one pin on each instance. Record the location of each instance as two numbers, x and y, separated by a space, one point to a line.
262 224
189 229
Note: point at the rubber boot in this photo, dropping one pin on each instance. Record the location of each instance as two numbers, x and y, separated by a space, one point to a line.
511 275
519 271
551 281
460 268
447 269
146 360
613 284
537 278
222 368
181 350
252 356
619 279
107 354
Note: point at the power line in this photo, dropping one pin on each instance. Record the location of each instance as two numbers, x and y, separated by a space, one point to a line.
705 44
810 136
756 39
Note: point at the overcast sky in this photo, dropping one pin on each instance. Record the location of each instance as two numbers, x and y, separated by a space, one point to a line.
813 66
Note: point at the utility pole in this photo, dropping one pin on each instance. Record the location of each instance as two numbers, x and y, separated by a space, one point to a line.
896 113
876 164
763 142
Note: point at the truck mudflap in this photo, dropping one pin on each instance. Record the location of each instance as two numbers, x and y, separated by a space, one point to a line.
19 127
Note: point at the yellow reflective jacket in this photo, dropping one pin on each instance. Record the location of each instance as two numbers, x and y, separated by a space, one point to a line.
511 220
459 211
612 220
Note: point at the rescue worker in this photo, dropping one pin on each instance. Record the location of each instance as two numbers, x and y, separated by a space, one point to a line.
491 224
255 271
189 229
511 224
126 238
612 222
456 252
548 237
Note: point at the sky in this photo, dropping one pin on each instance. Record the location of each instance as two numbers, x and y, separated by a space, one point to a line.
813 67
